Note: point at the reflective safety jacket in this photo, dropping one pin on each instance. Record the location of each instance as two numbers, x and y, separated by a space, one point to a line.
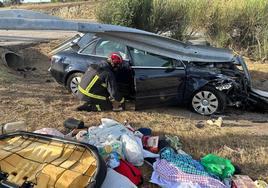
99 83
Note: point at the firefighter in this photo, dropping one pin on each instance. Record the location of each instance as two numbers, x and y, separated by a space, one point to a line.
98 87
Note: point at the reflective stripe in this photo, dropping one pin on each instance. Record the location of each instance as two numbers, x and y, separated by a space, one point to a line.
122 100
98 107
91 94
93 81
104 85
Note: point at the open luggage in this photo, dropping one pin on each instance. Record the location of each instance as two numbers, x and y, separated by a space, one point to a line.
41 161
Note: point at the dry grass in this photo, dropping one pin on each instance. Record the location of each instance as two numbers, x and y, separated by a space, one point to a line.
76 10
259 73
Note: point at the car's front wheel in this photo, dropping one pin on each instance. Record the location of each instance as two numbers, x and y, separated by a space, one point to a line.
208 101
73 82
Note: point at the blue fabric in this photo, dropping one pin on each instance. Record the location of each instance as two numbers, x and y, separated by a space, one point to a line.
184 162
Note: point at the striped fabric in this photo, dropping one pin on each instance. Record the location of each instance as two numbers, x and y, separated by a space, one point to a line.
172 173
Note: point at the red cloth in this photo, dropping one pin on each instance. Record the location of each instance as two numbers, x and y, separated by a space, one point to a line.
131 172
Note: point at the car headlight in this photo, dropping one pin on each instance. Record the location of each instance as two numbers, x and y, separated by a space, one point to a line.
224 86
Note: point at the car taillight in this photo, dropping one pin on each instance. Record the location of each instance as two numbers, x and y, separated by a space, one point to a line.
55 59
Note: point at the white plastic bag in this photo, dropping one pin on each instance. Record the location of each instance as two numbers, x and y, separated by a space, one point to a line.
50 131
115 180
132 150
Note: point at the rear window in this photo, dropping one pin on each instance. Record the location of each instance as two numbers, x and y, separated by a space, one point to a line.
105 47
89 49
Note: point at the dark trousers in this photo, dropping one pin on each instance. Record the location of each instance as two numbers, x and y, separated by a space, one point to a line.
98 105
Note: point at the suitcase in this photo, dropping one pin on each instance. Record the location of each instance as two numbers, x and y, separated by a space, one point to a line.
31 160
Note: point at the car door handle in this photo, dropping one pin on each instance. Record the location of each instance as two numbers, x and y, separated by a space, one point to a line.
143 77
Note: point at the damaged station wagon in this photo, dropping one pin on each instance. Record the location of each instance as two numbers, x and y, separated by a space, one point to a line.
206 78
157 70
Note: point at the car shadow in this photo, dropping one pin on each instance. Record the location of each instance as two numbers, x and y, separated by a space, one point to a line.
230 114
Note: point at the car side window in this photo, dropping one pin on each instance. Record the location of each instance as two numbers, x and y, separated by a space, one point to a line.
146 59
89 49
178 63
105 47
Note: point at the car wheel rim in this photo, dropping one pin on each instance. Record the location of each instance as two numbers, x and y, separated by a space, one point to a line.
74 85
205 102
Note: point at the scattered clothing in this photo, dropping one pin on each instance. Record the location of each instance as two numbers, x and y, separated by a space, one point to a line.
243 181
183 161
131 172
115 180
218 166
228 182
163 143
145 131
157 179
108 130
174 142
171 173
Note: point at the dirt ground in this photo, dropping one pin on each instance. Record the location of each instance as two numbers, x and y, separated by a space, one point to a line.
35 98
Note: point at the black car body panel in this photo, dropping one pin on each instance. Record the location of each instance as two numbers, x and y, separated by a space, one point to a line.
259 99
67 62
158 86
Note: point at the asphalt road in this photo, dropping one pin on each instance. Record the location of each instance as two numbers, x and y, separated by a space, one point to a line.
17 37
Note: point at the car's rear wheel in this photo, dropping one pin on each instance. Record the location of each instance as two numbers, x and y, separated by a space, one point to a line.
208 101
73 81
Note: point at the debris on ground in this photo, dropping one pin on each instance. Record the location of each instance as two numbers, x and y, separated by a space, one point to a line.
243 181
12 127
261 184
126 150
218 122
200 124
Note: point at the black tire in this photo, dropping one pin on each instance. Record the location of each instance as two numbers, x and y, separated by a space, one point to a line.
71 82
213 101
